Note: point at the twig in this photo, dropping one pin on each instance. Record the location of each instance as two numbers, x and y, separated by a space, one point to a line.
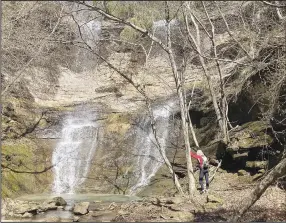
29 172
274 5
20 72
230 34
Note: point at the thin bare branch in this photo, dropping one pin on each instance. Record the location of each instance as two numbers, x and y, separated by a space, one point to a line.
274 5
42 44
230 34
128 23
28 172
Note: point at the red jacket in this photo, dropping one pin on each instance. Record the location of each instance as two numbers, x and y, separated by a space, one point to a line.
199 158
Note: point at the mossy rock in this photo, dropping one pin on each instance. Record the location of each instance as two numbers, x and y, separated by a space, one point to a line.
256 164
256 126
59 201
21 153
12 129
258 141
21 111
118 123
17 153
250 135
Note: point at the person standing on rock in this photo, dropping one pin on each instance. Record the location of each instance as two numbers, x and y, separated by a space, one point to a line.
204 169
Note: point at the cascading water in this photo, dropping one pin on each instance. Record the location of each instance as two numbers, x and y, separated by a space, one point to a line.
149 158
74 152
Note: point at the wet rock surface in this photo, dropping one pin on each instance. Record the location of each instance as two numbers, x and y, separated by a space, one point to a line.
81 208
27 209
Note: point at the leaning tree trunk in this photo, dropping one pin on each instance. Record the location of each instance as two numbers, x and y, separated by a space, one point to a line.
272 176
223 100
183 106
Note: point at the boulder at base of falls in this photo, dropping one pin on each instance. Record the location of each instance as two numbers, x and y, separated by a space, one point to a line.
59 201
48 205
81 208
53 204
26 207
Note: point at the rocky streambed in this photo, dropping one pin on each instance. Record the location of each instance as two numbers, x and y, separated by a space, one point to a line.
64 208
218 204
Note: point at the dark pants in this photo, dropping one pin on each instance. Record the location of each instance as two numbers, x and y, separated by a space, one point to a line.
204 173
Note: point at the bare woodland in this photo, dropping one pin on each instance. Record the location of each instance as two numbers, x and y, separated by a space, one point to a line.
256 39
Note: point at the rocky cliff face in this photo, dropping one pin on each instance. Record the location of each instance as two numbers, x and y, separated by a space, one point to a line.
38 103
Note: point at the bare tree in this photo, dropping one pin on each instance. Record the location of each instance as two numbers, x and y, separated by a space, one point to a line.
277 172
178 76
196 43
29 51
141 90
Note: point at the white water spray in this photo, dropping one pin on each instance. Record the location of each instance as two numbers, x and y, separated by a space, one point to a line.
149 158
73 154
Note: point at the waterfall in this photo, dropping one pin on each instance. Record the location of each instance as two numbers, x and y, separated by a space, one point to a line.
149 159
74 152
90 33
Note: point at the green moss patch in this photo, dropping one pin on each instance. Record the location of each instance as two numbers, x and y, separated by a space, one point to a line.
19 155
118 123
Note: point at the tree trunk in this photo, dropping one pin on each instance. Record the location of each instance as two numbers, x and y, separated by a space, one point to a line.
224 105
271 177
179 85
197 43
